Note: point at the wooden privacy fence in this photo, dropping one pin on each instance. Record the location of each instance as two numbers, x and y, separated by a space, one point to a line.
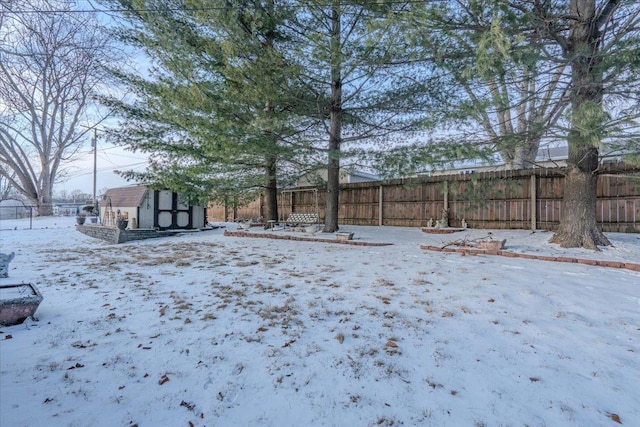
520 199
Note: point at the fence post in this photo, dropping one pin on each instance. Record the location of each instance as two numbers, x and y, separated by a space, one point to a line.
534 224
380 210
446 194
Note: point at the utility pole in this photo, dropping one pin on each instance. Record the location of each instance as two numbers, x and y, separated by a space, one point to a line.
95 163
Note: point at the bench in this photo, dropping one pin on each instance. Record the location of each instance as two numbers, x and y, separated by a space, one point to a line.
299 218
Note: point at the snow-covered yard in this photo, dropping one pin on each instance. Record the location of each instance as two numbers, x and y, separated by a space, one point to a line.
206 330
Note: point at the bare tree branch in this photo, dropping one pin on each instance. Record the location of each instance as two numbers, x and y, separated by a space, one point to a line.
51 68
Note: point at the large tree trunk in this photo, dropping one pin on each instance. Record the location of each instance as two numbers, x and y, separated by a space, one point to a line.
45 197
522 156
335 130
333 180
578 226
271 189
271 167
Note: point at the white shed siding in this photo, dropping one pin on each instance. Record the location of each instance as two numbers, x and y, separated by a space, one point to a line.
145 211
198 216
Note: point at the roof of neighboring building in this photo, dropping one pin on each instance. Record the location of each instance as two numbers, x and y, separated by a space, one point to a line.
126 197
346 176
552 153
365 175
10 203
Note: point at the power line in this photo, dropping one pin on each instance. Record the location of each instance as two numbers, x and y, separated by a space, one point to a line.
106 169
113 147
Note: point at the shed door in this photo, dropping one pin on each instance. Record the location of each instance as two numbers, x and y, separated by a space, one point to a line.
173 210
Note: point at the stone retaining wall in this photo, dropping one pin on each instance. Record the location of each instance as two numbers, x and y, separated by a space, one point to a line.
115 235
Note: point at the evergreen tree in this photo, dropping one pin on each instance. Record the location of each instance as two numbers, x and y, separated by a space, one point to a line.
600 40
362 92
217 111
492 85
526 70
256 85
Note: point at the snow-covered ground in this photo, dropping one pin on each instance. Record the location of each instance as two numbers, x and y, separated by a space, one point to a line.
206 330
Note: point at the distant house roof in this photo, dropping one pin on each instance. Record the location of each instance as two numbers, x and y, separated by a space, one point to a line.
347 176
552 153
546 156
362 176
127 197
10 203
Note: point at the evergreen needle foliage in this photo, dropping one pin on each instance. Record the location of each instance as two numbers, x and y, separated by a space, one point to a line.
245 96
221 100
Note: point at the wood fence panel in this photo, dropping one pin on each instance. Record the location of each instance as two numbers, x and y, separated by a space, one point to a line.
359 205
252 211
603 186
403 204
216 212
631 186
550 187
433 200
487 200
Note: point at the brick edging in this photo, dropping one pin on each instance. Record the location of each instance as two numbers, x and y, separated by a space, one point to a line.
429 230
302 239
599 263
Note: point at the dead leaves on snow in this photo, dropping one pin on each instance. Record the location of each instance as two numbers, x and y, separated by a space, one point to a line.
189 406
76 366
392 348
163 310
614 417
80 344
384 299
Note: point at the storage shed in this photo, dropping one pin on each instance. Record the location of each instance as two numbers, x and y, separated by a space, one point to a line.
147 208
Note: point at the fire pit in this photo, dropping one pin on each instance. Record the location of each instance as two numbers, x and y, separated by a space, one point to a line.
17 302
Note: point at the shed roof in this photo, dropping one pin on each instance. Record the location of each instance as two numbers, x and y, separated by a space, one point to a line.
125 197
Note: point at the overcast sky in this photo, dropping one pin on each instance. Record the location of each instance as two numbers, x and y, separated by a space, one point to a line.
109 159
